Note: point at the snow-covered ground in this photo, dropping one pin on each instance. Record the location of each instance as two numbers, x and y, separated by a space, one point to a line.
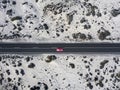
69 21
60 72
59 21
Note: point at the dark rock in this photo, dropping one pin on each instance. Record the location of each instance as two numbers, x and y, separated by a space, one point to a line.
4 1
90 37
82 36
8 72
0 58
90 85
14 2
87 26
17 72
99 14
102 64
100 84
45 26
9 79
31 65
116 60
62 30
9 12
14 27
39 83
48 32
118 75
54 8
15 87
75 36
19 64
45 86
85 61
19 28
91 9
96 78
27 59
37 88
103 34
16 18
79 36
51 58
91 59
57 34
115 12
72 65
22 72
19 79
81 74
36 1
83 20
69 18
112 75
49 7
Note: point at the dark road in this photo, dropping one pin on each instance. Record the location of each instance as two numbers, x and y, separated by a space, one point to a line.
67 47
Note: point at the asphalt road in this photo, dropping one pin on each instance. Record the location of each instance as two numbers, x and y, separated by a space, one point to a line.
67 47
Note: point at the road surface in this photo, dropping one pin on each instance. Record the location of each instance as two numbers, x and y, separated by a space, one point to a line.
67 47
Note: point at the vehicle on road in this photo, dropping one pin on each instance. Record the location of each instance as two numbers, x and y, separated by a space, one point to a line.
59 49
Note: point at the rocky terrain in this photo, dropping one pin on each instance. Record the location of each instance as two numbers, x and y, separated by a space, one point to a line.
59 72
59 21
69 21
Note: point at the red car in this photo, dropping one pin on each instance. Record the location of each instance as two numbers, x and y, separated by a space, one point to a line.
59 49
